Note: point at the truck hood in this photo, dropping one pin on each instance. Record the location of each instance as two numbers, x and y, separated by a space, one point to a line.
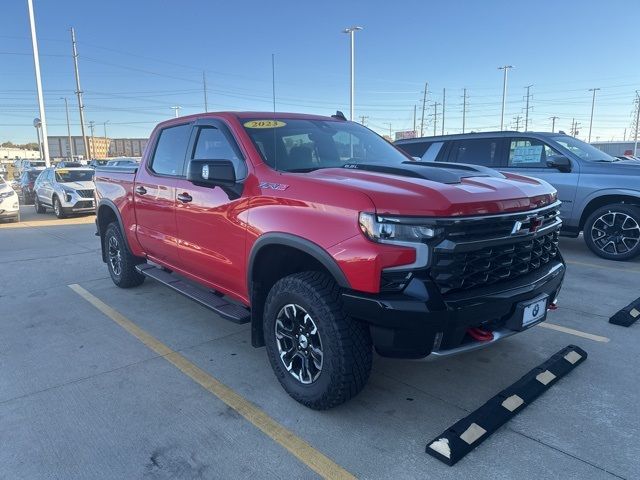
441 190
622 167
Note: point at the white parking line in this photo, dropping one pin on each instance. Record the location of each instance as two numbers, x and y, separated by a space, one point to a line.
571 331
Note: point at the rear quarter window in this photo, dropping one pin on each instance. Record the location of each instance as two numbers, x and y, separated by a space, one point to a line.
477 151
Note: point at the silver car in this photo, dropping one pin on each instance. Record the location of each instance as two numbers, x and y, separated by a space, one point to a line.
65 190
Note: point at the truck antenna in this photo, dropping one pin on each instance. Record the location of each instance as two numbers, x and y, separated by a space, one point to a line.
273 88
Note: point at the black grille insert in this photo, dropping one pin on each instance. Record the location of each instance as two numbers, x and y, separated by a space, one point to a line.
454 271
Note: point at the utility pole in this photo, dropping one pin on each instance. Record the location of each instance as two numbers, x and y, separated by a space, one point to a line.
36 64
104 124
526 113
506 69
636 127
517 120
390 136
593 104
352 34
204 89
553 123
464 109
414 119
176 108
66 107
92 144
424 106
79 92
435 117
363 119
444 102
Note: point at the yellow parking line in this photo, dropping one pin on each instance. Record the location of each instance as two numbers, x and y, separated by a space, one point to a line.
608 267
571 331
312 458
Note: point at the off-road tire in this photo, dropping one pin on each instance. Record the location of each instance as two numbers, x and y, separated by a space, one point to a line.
346 343
126 276
631 214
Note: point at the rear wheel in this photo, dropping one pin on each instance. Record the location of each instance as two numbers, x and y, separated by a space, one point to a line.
613 231
321 356
38 206
120 262
57 208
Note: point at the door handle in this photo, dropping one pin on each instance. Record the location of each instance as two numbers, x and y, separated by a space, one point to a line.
185 197
140 190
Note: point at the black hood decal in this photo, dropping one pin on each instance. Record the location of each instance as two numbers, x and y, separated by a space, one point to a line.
449 173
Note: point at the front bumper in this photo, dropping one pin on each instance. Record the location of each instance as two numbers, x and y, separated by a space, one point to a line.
74 203
421 320
9 207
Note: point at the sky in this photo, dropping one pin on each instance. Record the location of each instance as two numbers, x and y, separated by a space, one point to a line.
139 58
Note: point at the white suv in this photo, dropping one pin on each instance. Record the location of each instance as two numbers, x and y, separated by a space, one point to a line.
9 205
65 190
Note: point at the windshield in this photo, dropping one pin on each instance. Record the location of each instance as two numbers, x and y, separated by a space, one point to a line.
584 150
64 176
300 145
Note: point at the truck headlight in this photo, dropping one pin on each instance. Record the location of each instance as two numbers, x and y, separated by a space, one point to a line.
394 229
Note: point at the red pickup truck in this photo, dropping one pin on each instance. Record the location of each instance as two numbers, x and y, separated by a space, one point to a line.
331 242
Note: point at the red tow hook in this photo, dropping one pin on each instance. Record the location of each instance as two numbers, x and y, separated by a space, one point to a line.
480 334
552 306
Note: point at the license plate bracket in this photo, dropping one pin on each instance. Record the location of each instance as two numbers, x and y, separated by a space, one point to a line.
529 313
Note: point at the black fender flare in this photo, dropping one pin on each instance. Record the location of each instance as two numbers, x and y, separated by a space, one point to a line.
299 243
105 203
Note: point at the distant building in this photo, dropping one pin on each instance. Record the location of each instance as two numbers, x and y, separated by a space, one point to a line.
12 153
405 134
99 147
616 148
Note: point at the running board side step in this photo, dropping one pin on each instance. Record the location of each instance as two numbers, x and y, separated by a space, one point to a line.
227 310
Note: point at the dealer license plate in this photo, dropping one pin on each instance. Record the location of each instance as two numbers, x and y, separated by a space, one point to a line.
534 312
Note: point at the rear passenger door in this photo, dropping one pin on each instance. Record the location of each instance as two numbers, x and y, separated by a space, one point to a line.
528 156
155 194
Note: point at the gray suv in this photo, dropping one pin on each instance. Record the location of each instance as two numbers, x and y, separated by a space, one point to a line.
600 194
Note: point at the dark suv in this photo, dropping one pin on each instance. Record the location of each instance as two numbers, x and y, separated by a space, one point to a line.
600 194
26 184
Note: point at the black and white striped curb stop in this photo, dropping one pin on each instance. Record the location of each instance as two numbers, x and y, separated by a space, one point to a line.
628 315
465 435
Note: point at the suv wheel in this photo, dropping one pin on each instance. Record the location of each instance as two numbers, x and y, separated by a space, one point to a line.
36 204
120 262
57 208
321 357
613 231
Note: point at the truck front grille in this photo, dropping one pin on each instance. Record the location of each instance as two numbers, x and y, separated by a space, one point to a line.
463 262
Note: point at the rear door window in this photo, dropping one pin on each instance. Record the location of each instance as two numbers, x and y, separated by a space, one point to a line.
171 149
476 151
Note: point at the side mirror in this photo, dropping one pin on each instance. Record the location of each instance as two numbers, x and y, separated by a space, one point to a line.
211 173
560 162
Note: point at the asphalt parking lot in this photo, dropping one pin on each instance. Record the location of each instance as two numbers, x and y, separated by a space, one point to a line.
82 397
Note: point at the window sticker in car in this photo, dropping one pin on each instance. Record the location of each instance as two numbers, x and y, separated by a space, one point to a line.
264 124
529 154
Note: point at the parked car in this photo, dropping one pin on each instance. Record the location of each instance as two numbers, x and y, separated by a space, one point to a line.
24 165
65 190
329 240
26 185
600 195
122 163
97 163
69 164
9 203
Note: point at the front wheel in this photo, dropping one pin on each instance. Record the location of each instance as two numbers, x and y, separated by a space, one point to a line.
38 206
120 262
321 356
613 231
57 208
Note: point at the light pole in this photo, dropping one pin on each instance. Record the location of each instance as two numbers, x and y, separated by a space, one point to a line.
506 69
352 31
104 124
593 104
37 124
176 108
36 64
635 139
92 143
66 107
